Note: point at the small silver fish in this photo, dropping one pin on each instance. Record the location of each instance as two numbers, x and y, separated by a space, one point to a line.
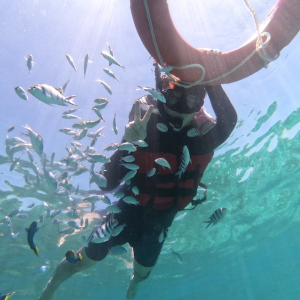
41 270
67 230
55 213
177 256
128 159
163 162
111 147
127 146
71 62
21 93
86 60
49 95
140 143
36 140
70 111
70 116
88 124
68 131
101 101
11 128
115 128
111 59
99 158
113 209
110 73
29 62
99 179
13 165
135 190
151 172
74 224
51 179
216 217
130 200
98 113
129 175
81 134
96 133
155 93
107 87
130 166
119 194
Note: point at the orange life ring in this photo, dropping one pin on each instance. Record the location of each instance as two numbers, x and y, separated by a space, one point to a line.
283 24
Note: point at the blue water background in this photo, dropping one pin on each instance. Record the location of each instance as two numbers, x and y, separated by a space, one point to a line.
253 253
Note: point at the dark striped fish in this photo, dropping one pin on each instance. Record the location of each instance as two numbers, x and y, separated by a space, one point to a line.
217 216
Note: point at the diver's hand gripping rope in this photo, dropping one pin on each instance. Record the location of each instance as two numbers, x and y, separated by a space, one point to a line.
260 50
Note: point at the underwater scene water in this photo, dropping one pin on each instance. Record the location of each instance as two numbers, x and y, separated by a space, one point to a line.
251 254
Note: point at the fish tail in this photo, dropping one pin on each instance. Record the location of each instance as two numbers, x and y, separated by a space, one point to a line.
36 250
70 100
209 223
80 256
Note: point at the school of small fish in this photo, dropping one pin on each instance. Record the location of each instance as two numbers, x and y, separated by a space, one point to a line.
55 177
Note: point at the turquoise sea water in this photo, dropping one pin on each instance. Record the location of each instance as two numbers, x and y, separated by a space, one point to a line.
252 253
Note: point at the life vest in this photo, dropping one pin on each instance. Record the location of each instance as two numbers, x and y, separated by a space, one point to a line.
164 189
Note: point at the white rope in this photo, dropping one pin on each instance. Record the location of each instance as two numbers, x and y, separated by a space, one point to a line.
260 50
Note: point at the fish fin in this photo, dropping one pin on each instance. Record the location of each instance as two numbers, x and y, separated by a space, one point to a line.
36 250
80 256
110 63
26 229
209 223
70 102
37 229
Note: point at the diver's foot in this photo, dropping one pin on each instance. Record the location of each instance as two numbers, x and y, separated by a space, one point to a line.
132 289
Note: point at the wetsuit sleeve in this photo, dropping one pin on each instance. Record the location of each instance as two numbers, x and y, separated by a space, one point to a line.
225 114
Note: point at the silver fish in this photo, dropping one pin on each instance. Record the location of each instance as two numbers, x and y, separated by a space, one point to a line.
98 113
70 116
101 101
177 256
99 158
155 93
127 146
69 111
30 155
81 134
80 170
216 217
88 124
51 179
115 128
107 87
111 147
129 175
84 240
186 159
29 62
47 206
21 93
96 133
151 172
67 230
13 165
74 224
11 128
135 190
117 250
86 60
163 162
71 62
14 141
130 200
110 73
72 213
99 179
100 106
52 158
41 270
140 143
49 95
55 213
22 215
17 148
111 59
130 166
128 159
113 209
36 140
68 131
119 194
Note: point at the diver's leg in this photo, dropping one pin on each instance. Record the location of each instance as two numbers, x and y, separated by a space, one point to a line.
140 273
65 270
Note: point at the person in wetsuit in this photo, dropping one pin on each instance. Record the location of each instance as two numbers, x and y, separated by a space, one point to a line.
167 129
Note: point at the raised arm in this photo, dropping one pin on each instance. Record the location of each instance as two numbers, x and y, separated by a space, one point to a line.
225 113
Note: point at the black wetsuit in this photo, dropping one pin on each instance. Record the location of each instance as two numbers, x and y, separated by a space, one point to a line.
144 224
